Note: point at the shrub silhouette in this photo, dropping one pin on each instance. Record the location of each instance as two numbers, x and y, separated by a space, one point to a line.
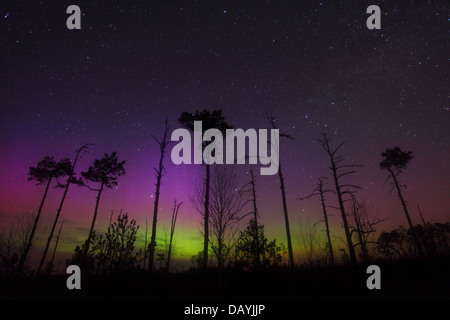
113 252
247 248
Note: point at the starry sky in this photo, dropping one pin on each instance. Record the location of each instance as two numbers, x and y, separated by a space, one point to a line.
312 64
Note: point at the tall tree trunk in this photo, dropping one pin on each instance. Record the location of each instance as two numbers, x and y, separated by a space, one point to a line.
56 245
169 253
172 231
325 217
348 235
206 219
145 242
286 217
361 236
36 220
405 210
428 231
159 174
41 264
255 218
69 180
155 218
91 231
220 250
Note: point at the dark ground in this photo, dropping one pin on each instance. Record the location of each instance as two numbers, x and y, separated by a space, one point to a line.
407 279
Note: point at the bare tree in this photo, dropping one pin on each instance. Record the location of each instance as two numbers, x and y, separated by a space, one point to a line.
309 241
340 170
429 243
359 211
272 121
395 161
13 243
364 227
145 242
159 174
255 218
106 172
70 180
226 204
321 192
176 208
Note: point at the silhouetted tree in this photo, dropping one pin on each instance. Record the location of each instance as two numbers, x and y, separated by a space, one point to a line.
386 245
113 252
340 170
210 120
160 257
50 265
46 170
393 244
145 243
255 218
176 208
13 242
272 121
105 172
70 171
159 174
364 227
321 192
358 212
309 242
395 161
271 252
399 243
197 260
226 205
441 236
428 239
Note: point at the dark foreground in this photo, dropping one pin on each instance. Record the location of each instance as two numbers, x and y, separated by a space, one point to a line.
413 279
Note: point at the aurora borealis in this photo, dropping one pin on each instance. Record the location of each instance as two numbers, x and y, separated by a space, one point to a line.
314 65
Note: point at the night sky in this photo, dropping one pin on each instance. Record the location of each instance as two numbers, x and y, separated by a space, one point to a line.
314 65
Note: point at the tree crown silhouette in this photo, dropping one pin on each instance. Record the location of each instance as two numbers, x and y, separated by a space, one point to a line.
106 170
395 158
210 120
49 168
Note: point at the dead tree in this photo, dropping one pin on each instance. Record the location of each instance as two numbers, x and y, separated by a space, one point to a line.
50 265
255 218
429 232
159 174
226 204
340 170
358 211
321 192
69 181
364 227
283 193
308 240
176 208
145 242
